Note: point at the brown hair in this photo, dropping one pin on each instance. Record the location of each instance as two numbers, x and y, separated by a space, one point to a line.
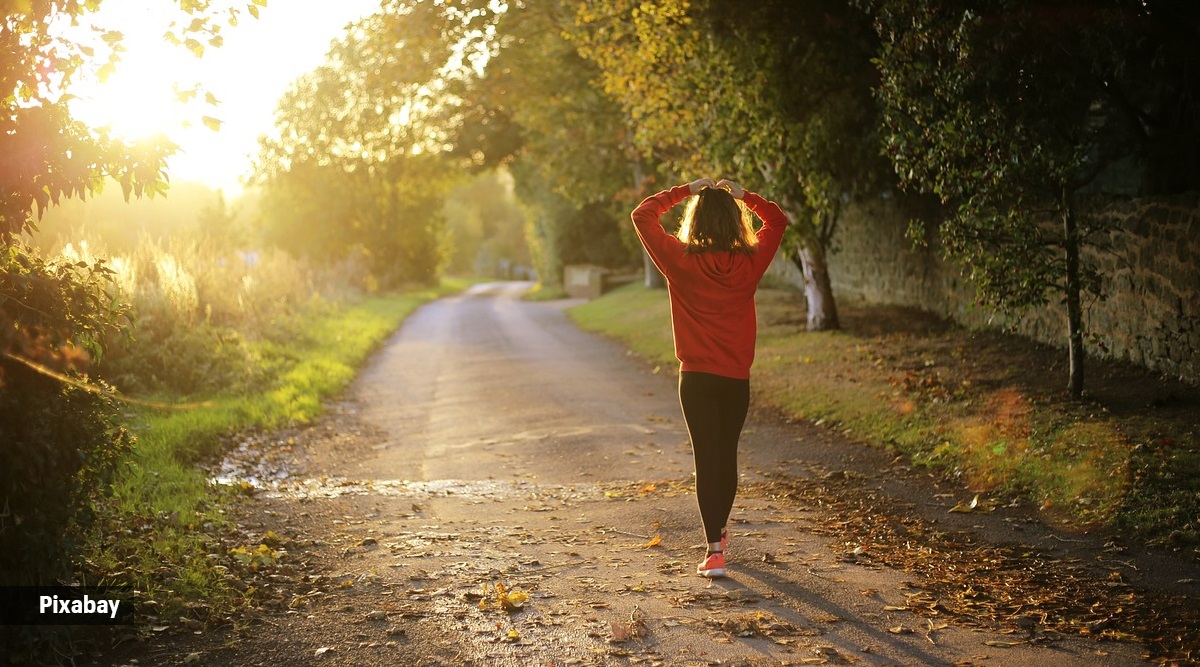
714 220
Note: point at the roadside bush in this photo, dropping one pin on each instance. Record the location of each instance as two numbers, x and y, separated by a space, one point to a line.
202 310
60 437
59 445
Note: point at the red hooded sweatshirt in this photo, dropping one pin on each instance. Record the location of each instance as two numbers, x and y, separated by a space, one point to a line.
712 293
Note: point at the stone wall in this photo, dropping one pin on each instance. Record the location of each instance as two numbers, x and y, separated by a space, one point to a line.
1151 315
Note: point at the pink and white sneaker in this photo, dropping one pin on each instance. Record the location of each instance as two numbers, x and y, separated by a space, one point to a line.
713 566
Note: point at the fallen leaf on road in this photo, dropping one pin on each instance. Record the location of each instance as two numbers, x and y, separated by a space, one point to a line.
974 507
262 556
654 541
502 598
634 628
620 632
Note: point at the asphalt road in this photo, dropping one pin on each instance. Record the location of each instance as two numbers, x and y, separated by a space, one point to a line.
484 378
483 396
490 441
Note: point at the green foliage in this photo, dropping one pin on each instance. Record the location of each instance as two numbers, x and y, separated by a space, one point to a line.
1007 113
545 212
49 156
60 445
485 226
59 438
985 109
649 62
776 94
46 306
359 163
199 311
576 171
308 211
781 92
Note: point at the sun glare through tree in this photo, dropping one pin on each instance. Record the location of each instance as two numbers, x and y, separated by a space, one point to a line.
211 94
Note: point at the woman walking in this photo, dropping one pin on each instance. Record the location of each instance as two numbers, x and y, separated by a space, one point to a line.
713 267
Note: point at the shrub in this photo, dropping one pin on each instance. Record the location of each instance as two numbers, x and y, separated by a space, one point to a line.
59 445
200 309
60 437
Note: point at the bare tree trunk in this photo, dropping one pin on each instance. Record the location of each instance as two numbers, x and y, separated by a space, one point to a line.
1074 302
809 257
822 308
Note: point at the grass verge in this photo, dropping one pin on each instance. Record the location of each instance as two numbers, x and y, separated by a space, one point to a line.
543 292
157 529
983 407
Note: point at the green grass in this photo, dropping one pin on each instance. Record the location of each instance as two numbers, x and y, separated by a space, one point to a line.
542 292
158 528
945 399
639 317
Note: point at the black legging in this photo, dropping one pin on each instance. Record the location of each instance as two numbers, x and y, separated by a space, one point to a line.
714 408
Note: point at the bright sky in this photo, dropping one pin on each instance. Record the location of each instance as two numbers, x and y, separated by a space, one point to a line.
248 74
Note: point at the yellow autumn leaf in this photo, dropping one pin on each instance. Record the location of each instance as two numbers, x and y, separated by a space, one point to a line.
500 597
654 541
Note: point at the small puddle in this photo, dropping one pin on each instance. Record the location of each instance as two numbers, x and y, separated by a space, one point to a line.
262 463
334 487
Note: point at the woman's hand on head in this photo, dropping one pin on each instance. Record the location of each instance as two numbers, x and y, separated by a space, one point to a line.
734 189
699 184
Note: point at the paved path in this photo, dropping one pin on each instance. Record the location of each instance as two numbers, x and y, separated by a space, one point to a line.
486 383
490 441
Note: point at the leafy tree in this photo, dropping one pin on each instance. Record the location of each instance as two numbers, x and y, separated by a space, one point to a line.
1009 112
60 437
773 90
538 108
361 142
485 226
50 156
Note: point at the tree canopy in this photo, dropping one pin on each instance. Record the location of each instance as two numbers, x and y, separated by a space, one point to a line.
1008 112
779 96
537 108
358 161
51 156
